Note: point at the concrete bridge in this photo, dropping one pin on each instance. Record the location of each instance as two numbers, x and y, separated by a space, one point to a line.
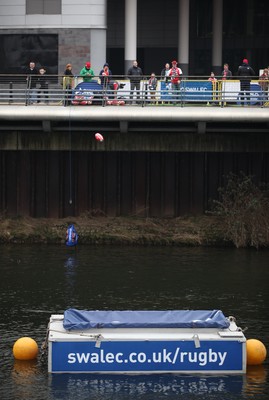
135 128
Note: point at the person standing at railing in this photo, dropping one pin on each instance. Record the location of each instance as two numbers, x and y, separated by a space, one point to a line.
226 73
68 83
167 83
165 73
87 72
135 75
31 93
43 85
175 74
264 84
245 72
223 87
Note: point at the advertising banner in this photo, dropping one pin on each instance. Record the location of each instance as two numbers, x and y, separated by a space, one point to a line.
189 91
135 356
230 92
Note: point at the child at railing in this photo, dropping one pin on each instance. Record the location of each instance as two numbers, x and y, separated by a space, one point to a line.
214 81
212 77
152 86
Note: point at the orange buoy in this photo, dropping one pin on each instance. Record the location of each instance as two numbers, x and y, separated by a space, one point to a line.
256 352
25 348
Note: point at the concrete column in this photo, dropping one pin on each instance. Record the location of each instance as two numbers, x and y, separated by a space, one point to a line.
130 44
98 49
183 36
217 36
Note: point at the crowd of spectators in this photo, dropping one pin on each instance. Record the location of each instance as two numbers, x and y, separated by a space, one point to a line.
37 81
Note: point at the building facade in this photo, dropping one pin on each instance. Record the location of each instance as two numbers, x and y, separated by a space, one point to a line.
200 34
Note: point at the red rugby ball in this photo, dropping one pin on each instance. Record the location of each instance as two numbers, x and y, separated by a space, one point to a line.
99 137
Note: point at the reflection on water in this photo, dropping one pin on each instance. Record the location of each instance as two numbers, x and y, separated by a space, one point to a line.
105 386
38 281
24 374
257 382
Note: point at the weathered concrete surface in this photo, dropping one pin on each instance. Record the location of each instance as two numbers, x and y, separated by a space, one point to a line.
130 113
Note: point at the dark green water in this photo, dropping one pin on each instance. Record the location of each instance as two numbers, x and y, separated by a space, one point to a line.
37 281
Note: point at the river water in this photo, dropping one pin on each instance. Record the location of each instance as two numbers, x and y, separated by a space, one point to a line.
37 281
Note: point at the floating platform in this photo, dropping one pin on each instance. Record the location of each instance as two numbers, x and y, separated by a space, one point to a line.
145 342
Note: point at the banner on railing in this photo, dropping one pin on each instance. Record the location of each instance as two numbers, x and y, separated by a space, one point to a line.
230 92
189 90
225 91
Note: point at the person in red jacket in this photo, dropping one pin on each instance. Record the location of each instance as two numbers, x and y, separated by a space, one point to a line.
175 73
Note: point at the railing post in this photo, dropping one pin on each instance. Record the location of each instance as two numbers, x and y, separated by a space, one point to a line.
10 92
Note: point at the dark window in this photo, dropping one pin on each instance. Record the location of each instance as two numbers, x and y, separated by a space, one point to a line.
261 18
43 7
203 19
16 51
234 19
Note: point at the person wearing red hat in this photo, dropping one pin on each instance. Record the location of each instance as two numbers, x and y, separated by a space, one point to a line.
244 73
175 73
87 72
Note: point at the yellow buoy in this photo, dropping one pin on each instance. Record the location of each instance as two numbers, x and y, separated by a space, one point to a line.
25 348
256 352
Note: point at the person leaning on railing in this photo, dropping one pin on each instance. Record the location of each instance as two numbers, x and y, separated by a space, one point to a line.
105 75
87 72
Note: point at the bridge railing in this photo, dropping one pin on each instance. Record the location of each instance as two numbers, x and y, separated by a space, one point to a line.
117 90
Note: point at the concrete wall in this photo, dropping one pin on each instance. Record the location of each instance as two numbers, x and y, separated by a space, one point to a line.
41 184
76 46
82 14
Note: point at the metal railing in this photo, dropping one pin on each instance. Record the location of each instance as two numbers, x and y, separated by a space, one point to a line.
194 91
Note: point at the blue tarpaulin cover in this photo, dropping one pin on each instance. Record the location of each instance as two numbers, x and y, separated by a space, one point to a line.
81 319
